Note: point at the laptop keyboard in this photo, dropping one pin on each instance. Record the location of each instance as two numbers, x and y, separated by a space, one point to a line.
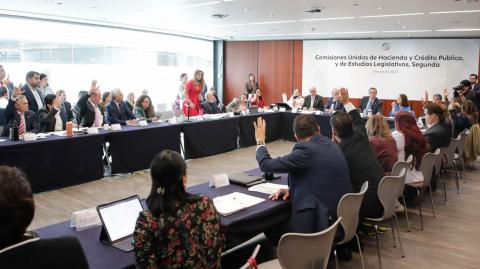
125 245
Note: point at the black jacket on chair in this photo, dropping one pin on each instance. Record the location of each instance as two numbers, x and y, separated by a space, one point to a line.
317 177
317 102
62 252
11 114
438 135
363 166
47 120
376 106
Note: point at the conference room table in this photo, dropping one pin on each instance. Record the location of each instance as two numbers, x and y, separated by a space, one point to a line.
60 161
238 227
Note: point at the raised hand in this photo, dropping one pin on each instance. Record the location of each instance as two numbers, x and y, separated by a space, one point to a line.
260 129
93 86
18 91
344 98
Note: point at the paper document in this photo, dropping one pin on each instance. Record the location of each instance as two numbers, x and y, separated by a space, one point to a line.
234 202
85 219
268 188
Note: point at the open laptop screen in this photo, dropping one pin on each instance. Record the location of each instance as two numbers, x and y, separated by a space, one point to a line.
120 217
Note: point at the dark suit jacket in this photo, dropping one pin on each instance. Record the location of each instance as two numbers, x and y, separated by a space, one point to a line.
338 105
67 108
376 106
476 87
129 106
47 120
317 177
209 108
317 103
363 166
32 103
62 252
439 135
118 114
11 115
249 89
85 111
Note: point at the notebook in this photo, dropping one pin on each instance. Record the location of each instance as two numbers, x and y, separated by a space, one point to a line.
245 180
234 202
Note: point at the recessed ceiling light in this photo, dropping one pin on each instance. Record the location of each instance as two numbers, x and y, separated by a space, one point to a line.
246 9
458 30
379 7
456 11
393 15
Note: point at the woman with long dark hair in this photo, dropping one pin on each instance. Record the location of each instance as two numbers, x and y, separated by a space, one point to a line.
251 85
178 229
400 105
193 88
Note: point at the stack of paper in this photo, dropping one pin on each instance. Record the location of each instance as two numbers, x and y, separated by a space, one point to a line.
234 202
268 188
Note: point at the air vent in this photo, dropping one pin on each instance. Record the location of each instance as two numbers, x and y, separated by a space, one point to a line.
219 16
314 10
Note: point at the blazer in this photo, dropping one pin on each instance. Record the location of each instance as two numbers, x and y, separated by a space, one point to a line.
249 89
139 112
317 102
376 106
32 102
129 106
317 178
67 108
363 166
47 120
31 124
438 135
209 108
62 252
338 105
86 111
118 114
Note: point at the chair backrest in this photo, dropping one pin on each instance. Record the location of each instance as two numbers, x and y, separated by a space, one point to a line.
348 209
388 192
463 136
249 265
450 150
302 251
428 162
439 160
402 164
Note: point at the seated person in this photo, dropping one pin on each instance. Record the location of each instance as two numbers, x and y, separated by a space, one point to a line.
467 117
65 105
333 104
382 142
313 101
296 100
141 107
349 133
177 228
257 99
88 109
400 105
22 249
117 110
238 104
210 105
130 101
371 102
52 117
439 132
317 173
104 102
17 113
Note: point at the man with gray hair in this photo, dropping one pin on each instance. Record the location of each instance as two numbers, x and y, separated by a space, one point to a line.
210 105
313 101
17 112
89 114
333 103
117 111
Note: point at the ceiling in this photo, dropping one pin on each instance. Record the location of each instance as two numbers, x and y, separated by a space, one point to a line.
267 19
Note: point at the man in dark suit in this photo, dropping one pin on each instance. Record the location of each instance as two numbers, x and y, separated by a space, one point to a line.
65 105
333 104
89 114
313 101
474 82
210 106
349 132
371 102
17 111
117 111
317 175
52 117
32 92
6 87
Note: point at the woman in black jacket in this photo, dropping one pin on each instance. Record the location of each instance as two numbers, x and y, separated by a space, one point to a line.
51 117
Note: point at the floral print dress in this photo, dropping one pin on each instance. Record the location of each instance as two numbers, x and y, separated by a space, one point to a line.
191 239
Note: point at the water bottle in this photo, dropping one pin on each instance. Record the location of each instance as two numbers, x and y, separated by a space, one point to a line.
14 131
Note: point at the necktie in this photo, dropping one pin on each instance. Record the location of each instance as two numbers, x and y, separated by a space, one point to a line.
21 127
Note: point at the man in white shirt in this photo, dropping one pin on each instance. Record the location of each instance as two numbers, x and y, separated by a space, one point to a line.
89 114
51 118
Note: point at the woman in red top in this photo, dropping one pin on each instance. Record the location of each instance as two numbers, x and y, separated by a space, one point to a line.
257 99
382 142
193 88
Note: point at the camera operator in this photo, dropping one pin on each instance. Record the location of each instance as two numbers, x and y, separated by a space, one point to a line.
464 91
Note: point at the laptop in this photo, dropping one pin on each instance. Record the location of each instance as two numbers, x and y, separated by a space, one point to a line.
118 222
245 180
